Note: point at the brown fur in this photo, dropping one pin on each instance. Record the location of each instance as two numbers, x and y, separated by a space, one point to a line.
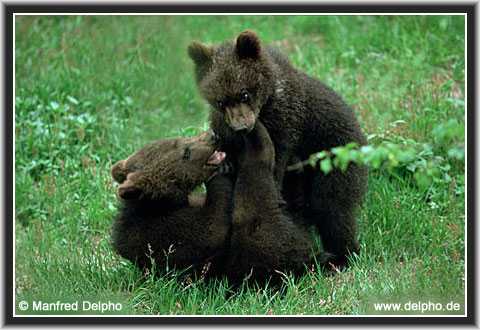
158 212
160 219
264 239
245 83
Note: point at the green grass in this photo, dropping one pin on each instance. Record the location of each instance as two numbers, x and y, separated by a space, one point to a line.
90 90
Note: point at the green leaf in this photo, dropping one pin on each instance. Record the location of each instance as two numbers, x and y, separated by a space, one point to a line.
411 167
459 102
457 153
326 165
351 145
395 123
316 157
73 100
54 105
128 100
422 180
321 154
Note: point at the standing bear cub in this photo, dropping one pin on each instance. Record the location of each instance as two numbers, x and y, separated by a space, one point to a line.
244 83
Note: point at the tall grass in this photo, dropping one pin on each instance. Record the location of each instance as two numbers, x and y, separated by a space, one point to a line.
91 89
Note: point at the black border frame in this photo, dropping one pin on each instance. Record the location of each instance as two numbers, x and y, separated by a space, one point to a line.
9 10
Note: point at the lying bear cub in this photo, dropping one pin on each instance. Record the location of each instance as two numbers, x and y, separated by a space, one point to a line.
159 216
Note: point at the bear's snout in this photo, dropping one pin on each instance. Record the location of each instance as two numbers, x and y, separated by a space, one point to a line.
208 136
240 118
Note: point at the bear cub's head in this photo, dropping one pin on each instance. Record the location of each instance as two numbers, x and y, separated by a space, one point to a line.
168 169
236 78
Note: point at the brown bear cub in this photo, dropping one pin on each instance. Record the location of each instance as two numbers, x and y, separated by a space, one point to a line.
159 218
246 83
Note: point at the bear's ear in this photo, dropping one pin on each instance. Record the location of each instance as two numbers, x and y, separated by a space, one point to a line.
140 186
199 53
247 45
131 188
118 171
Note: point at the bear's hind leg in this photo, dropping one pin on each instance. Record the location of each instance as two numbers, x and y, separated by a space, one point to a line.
333 201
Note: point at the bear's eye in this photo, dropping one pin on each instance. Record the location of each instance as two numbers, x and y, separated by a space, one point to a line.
186 153
244 98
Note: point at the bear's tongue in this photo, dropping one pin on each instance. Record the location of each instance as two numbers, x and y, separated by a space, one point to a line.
216 158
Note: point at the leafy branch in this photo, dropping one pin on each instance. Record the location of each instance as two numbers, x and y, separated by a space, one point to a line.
427 161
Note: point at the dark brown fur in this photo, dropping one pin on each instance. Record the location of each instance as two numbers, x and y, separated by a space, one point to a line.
302 116
264 239
159 218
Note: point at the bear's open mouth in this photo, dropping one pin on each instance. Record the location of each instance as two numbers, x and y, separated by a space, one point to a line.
216 158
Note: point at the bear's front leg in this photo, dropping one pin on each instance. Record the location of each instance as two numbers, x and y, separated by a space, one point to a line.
255 190
220 192
263 237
